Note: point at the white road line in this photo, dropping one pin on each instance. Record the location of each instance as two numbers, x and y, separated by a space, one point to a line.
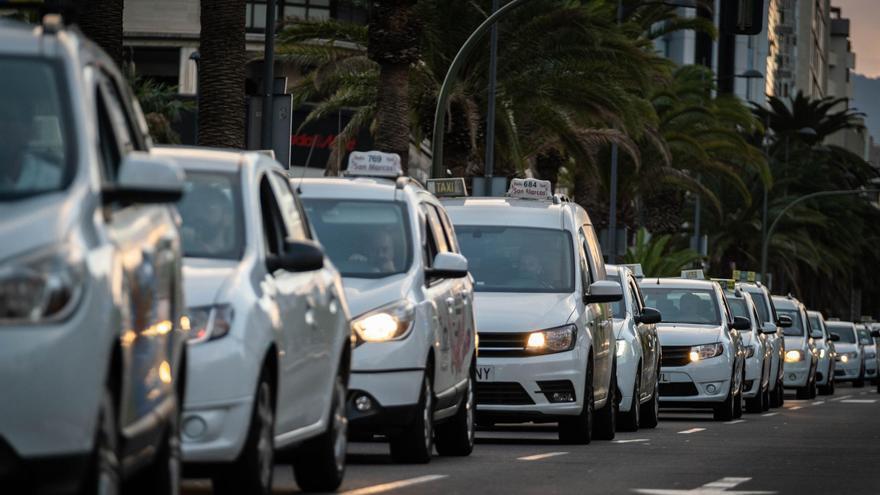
795 408
818 402
716 487
859 401
632 440
692 430
394 485
538 457
770 414
840 398
735 422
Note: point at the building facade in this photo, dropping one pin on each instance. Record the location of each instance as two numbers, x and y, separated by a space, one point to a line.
841 63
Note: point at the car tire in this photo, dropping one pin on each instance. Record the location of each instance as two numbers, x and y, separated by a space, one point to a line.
738 400
630 420
456 437
651 410
252 472
777 398
767 399
860 381
105 472
320 461
163 476
415 444
724 411
756 405
578 430
605 423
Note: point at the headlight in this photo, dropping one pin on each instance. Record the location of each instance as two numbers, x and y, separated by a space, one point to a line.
209 322
621 348
390 322
41 287
750 351
794 356
559 339
843 358
706 351
870 355
821 353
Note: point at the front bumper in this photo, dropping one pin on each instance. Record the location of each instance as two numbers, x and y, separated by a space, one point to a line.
796 374
393 398
825 369
871 367
705 382
754 376
848 371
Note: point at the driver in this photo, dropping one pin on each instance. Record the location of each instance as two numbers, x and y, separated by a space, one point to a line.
209 232
379 253
691 308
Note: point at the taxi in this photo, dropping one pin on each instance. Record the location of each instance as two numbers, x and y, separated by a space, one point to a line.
849 364
638 352
411 300
756 389
801 355
870 352
770 320
703 359
547 346
827 352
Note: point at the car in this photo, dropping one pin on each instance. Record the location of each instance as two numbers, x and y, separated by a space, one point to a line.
703 359
638 353
92 329
827 352
801 355
411 297
270 339
849 365
759 352
771 320
869 348
547 347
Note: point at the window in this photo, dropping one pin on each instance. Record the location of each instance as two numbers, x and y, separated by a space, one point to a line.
797 327
618 309
694 306
213 225
586 273
273 226
436 227
255 12
844 331
451 241
290 213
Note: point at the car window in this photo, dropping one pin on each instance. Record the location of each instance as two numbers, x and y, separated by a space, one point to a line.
761 306
213 225
845 332
108 146
638 303
677 305
797 325
273 226
435 227
597 266
451 240
584 262
121 126
865 337
290 213
738 307
618 308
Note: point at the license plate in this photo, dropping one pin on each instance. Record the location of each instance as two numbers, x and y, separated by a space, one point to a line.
485 373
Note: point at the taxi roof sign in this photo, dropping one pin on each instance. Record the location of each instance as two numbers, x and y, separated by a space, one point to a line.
453 187
530 189
374 164
726 283
693 274
636 268
745 276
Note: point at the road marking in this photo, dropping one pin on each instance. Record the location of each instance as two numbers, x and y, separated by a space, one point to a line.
840 398
692 430
795 408
818 402
394 485
715 487
735 422
633 440
770 414
538 457
859 401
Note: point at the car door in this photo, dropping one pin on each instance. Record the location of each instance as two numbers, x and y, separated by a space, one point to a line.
648 337
603 326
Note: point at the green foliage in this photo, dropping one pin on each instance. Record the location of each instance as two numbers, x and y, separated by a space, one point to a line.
161 106
658 255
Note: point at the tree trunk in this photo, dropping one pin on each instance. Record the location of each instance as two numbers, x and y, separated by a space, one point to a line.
392 116
547 165
101 21
222 74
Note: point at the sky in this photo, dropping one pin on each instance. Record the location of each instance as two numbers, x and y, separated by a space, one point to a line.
864 16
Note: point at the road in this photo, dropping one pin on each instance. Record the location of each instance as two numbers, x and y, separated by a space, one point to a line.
829 445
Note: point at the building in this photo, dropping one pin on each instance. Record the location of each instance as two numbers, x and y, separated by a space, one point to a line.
799 35
841 62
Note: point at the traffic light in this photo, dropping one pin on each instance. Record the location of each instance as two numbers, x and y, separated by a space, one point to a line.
742 16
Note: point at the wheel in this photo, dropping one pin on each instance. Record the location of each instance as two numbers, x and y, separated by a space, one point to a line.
778 395
803 393
724 411
164 474
651 410
416 443
629 420
860 381
579 429
738 398
320 462
253 470
605 425
814 388
766 401
105 473
756 404
456 437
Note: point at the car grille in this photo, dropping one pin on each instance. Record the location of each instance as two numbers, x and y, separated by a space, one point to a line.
503 344
680 389
502 393
676 355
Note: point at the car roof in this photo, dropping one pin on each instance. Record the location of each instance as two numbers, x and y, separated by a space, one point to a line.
678 283
507 211
207 159
18 38
813 312
786 302
369 188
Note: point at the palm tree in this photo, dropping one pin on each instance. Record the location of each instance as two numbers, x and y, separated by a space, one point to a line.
222 74
101 21
658 255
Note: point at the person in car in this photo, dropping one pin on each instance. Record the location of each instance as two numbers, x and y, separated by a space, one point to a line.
22 170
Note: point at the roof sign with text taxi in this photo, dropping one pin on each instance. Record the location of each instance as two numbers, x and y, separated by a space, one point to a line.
693 274
452 187
374 164
636 269
530 189
745 276
728 284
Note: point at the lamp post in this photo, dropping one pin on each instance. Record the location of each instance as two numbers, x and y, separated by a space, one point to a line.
268 76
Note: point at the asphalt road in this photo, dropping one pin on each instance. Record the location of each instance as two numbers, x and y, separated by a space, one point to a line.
829 445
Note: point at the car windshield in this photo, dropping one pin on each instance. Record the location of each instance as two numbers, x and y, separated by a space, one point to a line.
518 259
212 216
617 306
683 305
365 239
815 323
845 332
738 307
36 149
761 306
865 337
797 326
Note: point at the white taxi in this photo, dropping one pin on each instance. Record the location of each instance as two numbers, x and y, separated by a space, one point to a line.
547 346
827 352
770 320
849 364
410 296
801 355
756 389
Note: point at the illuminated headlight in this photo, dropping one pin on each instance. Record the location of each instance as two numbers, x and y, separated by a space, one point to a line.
387 323
707 351
559 339
870 355
821 353
209 322
621 348
794 356
41 287
843 358
750 351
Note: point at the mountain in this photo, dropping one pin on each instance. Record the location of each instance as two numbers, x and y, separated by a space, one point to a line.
866 98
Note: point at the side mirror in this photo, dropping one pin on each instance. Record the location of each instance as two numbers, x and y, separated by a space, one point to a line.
785 321
300 256
603 291
834 337
144 178
649 316
741 323
448 265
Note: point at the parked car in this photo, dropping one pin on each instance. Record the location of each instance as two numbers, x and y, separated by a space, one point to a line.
270 344
407 284
801 355
770 320
759 352
92 344
869 348
638 354
827 352
849 365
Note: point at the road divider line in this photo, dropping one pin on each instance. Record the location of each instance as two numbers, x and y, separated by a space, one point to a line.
843 397
538 457
859 401
394 485
632 440
818 402
692 430
735 422
795 408
770 414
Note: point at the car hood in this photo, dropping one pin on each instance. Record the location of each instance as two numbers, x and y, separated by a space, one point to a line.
205 279
367 294
34 223
795 343
514 312
687 334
